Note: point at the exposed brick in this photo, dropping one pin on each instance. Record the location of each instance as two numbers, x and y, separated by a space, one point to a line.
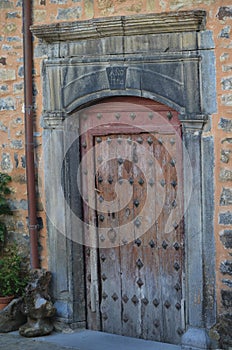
225 32
226 267
7 104
226 196
70 13
227 100
7 74
224 11
226 296
227 83
226 238
225 175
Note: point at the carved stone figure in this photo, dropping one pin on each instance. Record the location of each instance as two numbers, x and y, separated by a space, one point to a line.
38 306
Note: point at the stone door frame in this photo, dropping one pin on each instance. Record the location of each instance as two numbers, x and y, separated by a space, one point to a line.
168 58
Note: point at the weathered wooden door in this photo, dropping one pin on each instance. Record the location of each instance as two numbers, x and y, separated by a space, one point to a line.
131 183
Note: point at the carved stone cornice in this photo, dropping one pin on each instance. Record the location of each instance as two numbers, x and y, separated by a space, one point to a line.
53 119
183 21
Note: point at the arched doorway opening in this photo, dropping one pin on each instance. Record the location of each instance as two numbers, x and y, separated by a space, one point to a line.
131 172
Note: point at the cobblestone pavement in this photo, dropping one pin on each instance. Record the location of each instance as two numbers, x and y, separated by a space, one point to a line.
14 342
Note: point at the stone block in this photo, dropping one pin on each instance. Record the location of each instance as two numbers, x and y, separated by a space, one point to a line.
227 68
224 57
70 13
226 83
40 15
225 156
225 32
7 74
225 175
225 124
7 104
3 89
13 14
225 218
226 267
227 282
89 8
18 87
16 144
5 4
6 47
226 238
224 12
13 39
11 317
226 298
10 28
3 127
227 100
6 163
21 72
226 196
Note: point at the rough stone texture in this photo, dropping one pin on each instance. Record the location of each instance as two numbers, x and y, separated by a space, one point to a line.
71 13
7 74
226 196
227 100
226 84
226 267
227 282
38 306
7 104
6 163
225 156
223 329
224 11
226 296
225 175
225 32
225 124
225 218
11 317
226 238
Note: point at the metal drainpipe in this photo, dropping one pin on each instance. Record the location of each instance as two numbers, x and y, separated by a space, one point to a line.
29 137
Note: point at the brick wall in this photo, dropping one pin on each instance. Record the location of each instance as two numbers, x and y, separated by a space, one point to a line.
12 154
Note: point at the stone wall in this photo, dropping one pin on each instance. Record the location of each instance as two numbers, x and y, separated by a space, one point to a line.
12 154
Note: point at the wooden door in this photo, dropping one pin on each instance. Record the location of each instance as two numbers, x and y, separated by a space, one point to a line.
131 181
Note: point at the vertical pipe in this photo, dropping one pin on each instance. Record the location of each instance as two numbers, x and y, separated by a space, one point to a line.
29 139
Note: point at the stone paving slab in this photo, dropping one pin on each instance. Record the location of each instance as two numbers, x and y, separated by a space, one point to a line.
80 340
